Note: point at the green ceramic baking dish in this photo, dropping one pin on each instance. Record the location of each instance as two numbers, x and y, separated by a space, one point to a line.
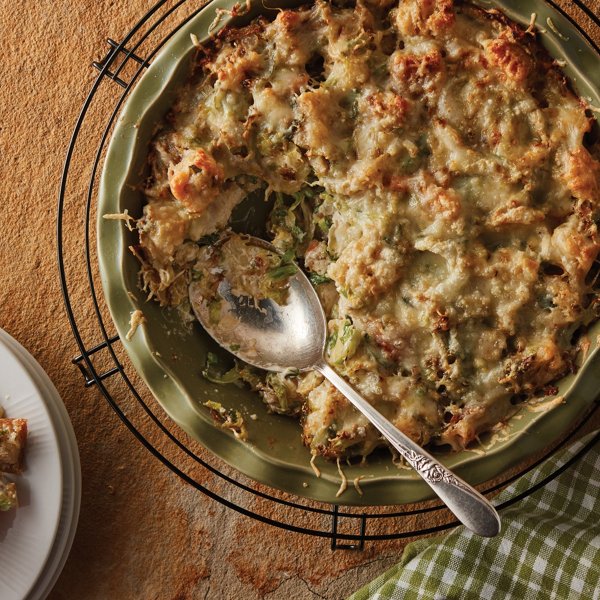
169 356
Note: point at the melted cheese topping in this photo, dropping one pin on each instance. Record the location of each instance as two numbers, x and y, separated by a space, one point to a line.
430 172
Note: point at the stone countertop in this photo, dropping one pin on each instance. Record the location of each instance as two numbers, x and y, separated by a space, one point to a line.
143 532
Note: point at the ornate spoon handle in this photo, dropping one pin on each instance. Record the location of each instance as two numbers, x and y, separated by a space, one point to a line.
468 505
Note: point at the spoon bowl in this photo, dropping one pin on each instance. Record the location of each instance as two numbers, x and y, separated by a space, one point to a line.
292 337
263 333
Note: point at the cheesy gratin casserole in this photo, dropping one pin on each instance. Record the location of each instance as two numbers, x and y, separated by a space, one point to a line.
429 167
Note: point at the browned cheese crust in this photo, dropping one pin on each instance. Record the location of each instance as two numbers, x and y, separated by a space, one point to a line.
431 168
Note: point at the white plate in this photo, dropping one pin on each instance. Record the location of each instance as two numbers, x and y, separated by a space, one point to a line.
71 471
27 534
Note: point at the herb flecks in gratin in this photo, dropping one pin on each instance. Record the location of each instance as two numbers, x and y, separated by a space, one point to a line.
431 170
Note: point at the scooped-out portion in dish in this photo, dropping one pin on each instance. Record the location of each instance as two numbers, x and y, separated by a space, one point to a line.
431 170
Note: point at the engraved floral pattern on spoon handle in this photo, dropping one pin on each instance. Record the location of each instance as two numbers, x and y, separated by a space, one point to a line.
430 470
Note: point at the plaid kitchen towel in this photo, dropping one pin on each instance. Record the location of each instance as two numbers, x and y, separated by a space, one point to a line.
549 546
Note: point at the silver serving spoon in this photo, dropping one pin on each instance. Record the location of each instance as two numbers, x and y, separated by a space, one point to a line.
293 337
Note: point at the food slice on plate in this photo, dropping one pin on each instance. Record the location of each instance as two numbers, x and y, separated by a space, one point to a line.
8 495
13 436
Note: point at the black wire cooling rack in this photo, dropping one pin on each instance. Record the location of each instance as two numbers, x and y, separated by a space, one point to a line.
102 360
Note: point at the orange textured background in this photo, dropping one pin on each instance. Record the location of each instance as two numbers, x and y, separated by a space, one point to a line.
143 533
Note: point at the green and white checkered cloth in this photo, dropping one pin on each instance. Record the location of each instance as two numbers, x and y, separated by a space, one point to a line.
549 546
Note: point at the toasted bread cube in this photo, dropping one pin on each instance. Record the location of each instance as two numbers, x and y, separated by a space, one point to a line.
13 436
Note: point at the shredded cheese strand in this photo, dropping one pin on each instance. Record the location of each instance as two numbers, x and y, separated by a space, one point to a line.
357 486
137 319
344 484
314 467
531 28
124 216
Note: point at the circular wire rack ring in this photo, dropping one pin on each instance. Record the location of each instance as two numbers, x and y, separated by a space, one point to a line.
103 363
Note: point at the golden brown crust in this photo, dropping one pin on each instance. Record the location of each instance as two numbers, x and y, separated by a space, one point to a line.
430 169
